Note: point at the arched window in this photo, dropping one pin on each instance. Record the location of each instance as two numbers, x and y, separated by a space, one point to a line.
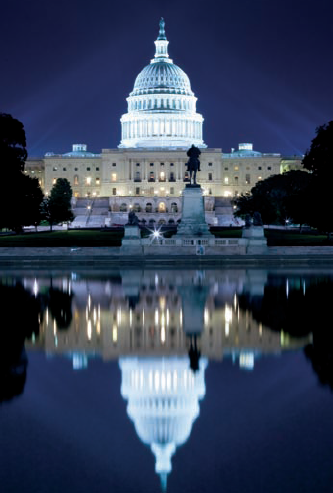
136 207
161 207
123 207
149 207
174 207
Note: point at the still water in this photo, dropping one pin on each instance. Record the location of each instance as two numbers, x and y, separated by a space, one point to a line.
166 380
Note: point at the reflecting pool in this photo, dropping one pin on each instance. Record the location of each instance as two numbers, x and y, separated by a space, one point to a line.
166 380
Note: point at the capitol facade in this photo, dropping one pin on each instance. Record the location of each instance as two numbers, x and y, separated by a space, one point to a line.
147 172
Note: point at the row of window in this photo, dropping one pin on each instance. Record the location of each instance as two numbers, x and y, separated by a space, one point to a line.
149 207
75 169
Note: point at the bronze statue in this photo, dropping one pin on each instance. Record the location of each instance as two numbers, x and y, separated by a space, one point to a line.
257 221
133 219
193 164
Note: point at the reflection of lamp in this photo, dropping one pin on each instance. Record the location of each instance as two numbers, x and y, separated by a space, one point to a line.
163 397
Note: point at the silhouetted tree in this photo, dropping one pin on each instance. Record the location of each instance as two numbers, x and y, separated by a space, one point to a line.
277 198
20 195
318 160
58 205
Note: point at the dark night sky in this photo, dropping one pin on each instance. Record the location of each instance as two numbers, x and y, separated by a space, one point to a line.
262 70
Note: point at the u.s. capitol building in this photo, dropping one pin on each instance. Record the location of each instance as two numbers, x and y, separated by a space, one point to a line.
147 172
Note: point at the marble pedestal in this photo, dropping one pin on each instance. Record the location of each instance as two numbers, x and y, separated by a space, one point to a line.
131 242
193 222
256 241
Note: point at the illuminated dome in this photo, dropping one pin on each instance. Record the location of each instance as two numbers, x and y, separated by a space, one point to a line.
163 402
162 106
162 77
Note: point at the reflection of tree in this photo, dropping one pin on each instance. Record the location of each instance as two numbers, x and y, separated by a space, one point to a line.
296 310
299 311
20 319
60 306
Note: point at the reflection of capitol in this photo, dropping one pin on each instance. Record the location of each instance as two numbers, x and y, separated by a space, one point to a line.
149 313
163 402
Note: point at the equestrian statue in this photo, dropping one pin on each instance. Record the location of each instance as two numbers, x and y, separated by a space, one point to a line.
193 164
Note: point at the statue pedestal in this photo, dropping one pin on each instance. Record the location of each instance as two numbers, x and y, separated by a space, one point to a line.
256 241
131 242
193 222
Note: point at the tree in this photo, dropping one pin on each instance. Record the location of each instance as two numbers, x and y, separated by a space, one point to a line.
13 152
319 160
277 198
59 202
21 195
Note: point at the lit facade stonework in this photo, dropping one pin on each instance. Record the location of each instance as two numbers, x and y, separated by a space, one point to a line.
147 172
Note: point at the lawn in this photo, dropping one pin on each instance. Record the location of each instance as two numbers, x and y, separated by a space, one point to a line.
64 238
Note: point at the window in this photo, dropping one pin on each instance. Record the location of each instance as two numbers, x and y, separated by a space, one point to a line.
259 167
54 181
269 167
210 191
210 164
55 168
226 169
236 168
88 180
114 177
172 176
152 176
162 176
98 181
137 191
138 164
226 180
162 164
151 164
149 207
88 169
248 179
210 176
114 164
236 179
172 191
64 169
114 191
248 168
76 179
174 207
137 176
123 207
97 169
259 178
171 164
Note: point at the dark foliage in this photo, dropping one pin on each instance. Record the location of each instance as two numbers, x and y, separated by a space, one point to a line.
277 198
58 205
21 195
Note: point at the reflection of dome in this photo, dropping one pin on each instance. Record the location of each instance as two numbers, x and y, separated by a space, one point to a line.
163 397
162 106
